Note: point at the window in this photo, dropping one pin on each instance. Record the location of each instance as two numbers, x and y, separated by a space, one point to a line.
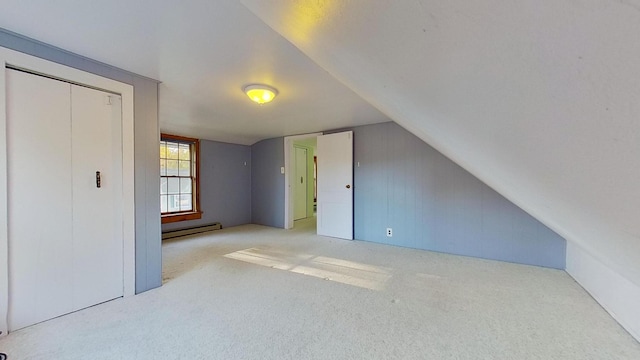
179 185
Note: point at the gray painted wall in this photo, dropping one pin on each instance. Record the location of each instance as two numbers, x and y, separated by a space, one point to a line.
267 183
147 185
225 186
430 202
433 204
147 151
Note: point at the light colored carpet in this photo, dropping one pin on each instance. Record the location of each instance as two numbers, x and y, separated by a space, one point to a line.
253 292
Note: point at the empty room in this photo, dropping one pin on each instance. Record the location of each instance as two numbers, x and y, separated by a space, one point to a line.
320 179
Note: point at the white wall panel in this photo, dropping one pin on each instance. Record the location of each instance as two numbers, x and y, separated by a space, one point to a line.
96 134
39 206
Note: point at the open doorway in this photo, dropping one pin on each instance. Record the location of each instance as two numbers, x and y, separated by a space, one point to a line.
300 184
334 174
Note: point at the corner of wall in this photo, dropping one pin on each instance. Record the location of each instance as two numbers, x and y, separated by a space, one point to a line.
267 183
617 295
147 150
4 237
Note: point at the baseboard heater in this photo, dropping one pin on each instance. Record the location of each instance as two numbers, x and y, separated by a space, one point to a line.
190 231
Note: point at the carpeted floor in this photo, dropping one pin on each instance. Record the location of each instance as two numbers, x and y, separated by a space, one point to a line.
254 292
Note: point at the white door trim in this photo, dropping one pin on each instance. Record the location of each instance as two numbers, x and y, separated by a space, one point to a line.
289 165
23 61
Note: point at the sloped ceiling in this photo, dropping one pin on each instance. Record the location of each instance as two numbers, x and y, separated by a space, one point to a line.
203 52
538 98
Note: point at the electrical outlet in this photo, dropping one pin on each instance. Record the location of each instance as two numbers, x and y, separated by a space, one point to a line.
389 232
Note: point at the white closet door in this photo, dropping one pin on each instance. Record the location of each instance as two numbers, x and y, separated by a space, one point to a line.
65 232
39 182
97 211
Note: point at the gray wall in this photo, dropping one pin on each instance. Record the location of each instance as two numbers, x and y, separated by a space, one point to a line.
267 183
430 202
225 186
433 204
147 152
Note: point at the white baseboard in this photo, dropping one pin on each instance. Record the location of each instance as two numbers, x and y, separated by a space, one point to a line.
617 295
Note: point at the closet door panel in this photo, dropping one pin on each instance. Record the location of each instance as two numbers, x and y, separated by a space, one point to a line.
97 207
39 198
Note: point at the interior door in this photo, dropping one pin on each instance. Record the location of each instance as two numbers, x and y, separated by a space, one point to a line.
300 190
335 185
65 232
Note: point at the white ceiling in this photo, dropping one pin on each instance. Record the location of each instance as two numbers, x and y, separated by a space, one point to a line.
540 99
203 52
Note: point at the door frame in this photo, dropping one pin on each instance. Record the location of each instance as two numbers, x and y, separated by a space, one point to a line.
40 66
289 165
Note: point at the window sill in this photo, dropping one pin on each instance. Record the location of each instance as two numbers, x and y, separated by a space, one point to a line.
170 218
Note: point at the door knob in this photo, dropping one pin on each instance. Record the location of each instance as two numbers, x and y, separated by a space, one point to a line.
348 186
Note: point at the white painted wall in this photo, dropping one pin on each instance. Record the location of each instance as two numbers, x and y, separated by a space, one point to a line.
599 280
538 99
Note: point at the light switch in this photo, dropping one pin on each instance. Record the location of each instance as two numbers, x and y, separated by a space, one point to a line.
282 170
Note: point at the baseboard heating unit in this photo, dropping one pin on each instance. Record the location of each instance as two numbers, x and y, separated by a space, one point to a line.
190 231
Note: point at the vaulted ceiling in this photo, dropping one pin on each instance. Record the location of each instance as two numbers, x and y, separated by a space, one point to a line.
540 99
203 52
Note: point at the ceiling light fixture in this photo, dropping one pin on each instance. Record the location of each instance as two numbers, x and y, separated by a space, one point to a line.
260 93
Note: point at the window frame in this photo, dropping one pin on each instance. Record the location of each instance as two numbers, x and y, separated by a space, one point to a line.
195 213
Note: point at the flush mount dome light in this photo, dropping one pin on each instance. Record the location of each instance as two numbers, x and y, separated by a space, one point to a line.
260 93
